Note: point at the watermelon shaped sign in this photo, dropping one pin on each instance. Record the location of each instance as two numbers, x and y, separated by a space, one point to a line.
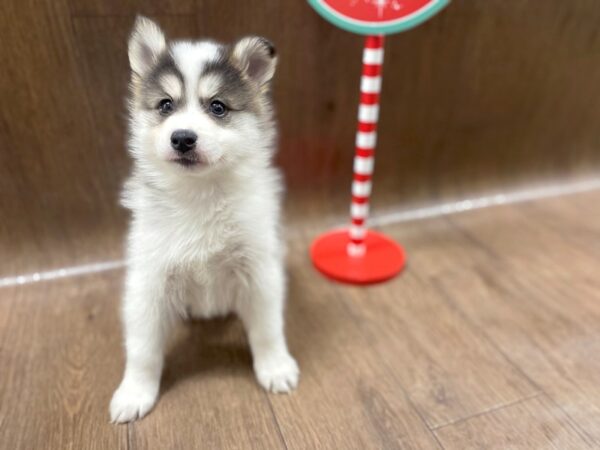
377 16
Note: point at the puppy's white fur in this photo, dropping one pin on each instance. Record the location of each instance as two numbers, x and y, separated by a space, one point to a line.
203 241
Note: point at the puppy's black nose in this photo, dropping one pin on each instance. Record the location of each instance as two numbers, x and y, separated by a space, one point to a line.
183 140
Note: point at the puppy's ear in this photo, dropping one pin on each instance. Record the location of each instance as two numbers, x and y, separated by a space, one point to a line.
255 57
146 43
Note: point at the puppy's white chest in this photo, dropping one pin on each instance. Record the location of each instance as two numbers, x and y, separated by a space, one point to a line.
205 266
195 237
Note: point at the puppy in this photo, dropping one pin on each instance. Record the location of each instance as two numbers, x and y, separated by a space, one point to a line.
205 201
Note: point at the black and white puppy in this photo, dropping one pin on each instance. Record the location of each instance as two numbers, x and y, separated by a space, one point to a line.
204 237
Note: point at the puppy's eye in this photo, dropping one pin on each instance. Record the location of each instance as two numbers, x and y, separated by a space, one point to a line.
218 108
165 106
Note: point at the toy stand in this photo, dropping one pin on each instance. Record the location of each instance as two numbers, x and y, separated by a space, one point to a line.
356 254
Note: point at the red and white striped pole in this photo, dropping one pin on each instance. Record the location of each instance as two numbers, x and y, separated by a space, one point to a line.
366 140
356 254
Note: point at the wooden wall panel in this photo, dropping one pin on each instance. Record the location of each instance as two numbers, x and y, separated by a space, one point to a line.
485 95
492 93
112 8
51 188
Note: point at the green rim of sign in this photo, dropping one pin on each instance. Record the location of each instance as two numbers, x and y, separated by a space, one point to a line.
390 27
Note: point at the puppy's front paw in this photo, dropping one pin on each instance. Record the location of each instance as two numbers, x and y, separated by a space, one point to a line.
131 401
277 373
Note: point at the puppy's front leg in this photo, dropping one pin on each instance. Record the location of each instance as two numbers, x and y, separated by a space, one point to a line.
262 314
147 320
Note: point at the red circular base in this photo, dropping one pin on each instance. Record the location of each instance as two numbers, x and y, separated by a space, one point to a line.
383 259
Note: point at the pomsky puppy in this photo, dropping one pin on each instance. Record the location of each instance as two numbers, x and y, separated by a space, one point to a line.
204 237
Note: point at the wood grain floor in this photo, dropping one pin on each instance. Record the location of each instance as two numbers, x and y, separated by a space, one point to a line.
490 339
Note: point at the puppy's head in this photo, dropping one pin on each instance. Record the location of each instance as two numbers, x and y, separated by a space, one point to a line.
199 105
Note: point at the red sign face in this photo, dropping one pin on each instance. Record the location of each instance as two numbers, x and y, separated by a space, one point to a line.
377 16
377 10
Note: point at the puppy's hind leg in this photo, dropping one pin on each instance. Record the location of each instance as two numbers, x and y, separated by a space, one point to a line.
261 309
148 318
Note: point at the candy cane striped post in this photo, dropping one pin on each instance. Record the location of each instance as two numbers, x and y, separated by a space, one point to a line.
357 255
366 140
